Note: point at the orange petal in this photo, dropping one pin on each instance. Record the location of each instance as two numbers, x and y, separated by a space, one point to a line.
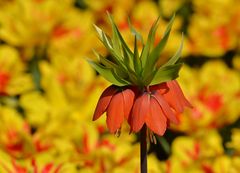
139 112
128 99
184 102
172 98
156 119
165 107
115 113
104 101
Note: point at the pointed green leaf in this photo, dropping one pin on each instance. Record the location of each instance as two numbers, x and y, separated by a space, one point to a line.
115 56
107 73
115 37
130 67
103 37
120 76
99 31
109 64
166 73
107 41
119 34
154 55
137 63
128 59
150 40
124 43
134 31
176 56
105 61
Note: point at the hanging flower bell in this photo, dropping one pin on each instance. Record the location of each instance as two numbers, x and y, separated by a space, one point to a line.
142 92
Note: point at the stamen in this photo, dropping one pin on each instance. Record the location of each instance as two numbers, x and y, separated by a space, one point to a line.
118 132
152 137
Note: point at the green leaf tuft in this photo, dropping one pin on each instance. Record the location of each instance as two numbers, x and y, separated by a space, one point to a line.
154 55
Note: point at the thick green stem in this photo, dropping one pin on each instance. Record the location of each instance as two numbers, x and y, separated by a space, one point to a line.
143 148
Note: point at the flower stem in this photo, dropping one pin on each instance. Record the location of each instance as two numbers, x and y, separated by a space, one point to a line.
143 148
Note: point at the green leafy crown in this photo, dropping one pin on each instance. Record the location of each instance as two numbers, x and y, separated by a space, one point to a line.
127 67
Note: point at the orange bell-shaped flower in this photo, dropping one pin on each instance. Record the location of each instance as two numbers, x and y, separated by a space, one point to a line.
151 108
117 103
173 94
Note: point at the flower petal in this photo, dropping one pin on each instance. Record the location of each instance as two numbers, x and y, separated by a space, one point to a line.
104 101
165 107
179 94
140 110
156 119
172 98
115 113
128 100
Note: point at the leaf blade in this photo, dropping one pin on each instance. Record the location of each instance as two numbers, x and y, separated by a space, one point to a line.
106 73
177 55
166 73
150 40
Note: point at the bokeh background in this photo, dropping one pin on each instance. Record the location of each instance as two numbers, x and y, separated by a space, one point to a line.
48 92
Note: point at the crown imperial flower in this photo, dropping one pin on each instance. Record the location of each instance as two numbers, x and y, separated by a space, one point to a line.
142 92
117 102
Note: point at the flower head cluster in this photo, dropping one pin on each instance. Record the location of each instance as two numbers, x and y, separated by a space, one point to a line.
142 92
155 107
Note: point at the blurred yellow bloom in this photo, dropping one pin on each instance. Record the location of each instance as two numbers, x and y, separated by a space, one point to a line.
51 125
28 24
73 37
70 75
170 7
194 153
31 103
13 79
236 62
235 139
210 35
15 133
215 101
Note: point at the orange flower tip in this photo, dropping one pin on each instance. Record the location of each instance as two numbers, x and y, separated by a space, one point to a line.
173 85
188 104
